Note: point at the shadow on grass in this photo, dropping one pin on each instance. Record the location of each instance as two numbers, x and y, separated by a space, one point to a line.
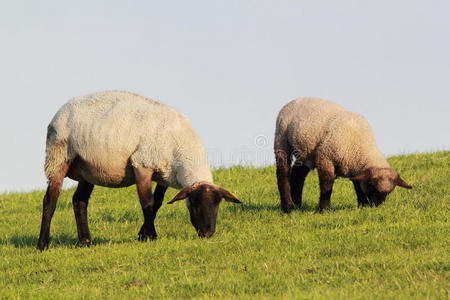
306 207
60 240
246 207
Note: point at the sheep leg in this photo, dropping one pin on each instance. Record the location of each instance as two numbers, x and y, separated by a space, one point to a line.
160 190
362 198
80 202
283 162
326 188
147 200
49 204
148 229
326 180
298 175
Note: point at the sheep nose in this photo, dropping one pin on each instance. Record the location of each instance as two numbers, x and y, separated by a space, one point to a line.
209 234
206 234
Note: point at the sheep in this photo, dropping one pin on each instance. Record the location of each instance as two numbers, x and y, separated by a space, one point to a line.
117 139
321 134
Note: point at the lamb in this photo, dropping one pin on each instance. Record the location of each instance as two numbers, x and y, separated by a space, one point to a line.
321 134
116 139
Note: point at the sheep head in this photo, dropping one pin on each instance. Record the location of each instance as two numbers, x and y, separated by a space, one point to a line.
377 183
203 201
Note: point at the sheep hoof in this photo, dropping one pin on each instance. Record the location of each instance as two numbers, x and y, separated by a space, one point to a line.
42 245
287 208
145 234
323 209
84 242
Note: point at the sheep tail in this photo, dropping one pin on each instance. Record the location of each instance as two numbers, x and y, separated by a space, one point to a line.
56 154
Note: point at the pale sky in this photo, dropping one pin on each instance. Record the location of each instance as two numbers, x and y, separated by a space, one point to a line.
229 66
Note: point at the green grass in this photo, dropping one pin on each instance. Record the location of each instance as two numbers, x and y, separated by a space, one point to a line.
397 250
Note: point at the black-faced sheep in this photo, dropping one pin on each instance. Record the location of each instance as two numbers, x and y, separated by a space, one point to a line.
323 135
117 139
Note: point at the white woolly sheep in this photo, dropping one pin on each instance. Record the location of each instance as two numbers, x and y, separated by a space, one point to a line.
117 139
321 134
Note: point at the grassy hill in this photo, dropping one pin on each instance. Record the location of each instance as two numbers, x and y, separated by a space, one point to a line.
397 250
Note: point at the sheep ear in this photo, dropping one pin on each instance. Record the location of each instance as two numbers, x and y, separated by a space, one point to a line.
362 177
228 196
402 183
184 193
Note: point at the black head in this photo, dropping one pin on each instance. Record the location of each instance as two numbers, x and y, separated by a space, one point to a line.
377 183
203 204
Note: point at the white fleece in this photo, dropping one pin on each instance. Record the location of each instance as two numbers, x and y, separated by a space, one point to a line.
314 129
104 134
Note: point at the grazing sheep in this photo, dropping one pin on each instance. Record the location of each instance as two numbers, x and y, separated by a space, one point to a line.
116 139
323 135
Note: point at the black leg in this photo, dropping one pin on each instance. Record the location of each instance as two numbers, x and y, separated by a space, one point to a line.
298 175
325 168
80 202
362 198
160 190
49 205
150 203
326 188
283 161
148 230
147 201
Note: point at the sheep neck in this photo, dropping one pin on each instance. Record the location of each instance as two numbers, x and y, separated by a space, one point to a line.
191 171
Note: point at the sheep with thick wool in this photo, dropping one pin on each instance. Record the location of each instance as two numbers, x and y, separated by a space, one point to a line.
116 139
321 134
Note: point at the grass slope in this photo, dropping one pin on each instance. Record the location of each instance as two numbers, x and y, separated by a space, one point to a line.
398 250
